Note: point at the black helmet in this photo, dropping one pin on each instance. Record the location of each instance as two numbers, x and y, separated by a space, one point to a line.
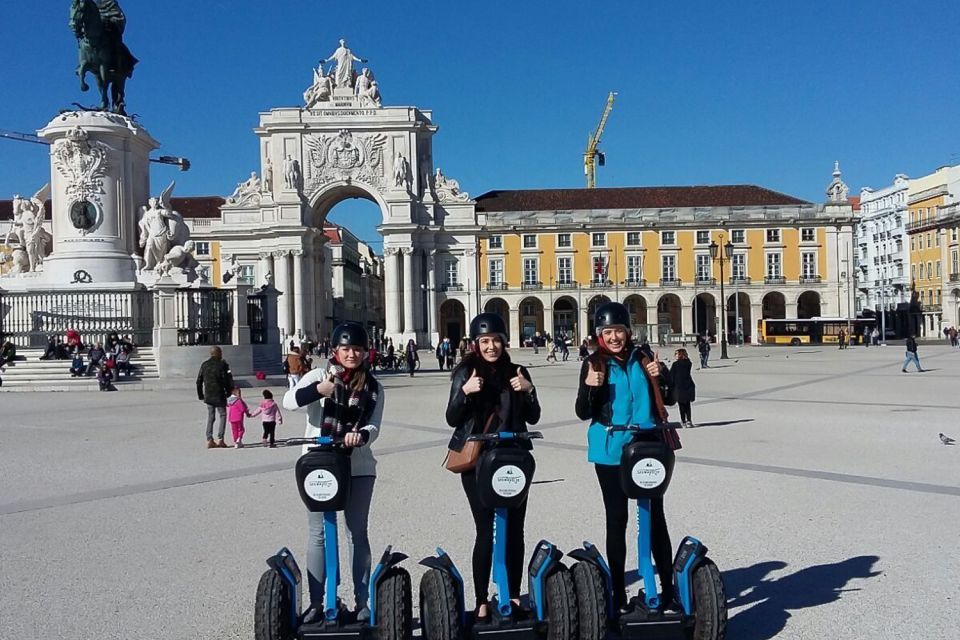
610 314
349 334
487 323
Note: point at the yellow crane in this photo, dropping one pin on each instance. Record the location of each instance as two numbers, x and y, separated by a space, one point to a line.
593 156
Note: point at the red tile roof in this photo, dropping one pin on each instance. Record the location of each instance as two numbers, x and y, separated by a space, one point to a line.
854 202
737 195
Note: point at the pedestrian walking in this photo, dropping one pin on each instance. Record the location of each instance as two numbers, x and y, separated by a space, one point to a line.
684 388
552 351
842 339
703 346
269 412
237 410
441 354
912 354
451 353
345 401
294 366
490 393
410 353
564 349
214 382
584 351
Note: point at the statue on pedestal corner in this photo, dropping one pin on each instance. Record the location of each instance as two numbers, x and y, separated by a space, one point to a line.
344 75
161 228
31 243
98 27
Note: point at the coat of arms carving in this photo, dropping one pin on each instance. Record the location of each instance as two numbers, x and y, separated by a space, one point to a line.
345 157
83 163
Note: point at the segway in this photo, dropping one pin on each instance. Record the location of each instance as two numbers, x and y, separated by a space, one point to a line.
323 476
700 611
504 473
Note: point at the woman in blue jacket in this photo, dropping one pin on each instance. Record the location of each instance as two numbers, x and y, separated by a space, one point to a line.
622 385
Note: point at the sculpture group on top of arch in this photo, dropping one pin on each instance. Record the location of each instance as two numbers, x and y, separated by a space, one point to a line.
342 80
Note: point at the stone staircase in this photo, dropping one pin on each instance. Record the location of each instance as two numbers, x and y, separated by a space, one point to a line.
28 372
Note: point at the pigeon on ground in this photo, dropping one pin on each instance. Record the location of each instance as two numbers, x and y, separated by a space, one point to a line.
947 439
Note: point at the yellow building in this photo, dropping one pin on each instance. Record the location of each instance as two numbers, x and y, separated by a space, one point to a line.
932 229
547 258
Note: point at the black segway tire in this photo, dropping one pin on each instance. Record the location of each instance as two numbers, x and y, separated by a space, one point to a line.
439 611
592 597
561 606
709 603
271 618
394 606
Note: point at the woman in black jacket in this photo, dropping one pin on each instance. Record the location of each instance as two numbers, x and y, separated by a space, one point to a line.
489 392
685 390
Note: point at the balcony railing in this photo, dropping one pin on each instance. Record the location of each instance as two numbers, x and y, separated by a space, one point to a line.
451 286
775 280
739 280
705 282
669 282
933 308
531 286
567 285
497 286
635 282
810 279
600 284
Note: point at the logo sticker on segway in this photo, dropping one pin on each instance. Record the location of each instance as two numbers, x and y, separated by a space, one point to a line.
321 485
648 473
508 481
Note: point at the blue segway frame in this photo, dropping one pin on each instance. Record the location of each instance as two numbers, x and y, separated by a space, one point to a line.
443 562
590 553
284 563
690 554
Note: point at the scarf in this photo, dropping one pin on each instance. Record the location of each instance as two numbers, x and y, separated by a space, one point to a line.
349 409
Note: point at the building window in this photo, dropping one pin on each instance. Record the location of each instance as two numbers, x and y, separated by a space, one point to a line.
921 271
953 234
203 248
912 247
246 274
529 241
930 271
703 266
564 270
955 262
773 235
599 269
773 263
913 273
808 264
496 272
738 269
633 238
668 266
599 239
634 268
807 234
451 273
929 240
939 296
900 270
668 238
563 240
938 269
703 237
496 242
530 271
738 236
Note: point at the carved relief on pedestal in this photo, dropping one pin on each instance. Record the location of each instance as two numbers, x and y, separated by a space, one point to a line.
84 164
345 156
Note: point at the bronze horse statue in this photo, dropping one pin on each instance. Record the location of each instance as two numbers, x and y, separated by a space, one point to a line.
99 30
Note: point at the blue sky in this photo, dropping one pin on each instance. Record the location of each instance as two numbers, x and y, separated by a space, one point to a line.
769 93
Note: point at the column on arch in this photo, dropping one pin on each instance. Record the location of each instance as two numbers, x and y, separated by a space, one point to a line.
281 273
299 314
266 267
391 292
408 293
516 340
432 319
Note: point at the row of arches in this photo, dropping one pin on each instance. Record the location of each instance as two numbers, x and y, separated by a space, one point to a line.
669 313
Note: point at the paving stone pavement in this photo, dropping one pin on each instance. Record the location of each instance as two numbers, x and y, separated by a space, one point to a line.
816 478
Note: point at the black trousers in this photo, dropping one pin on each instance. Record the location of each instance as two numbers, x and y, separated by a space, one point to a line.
684 412
483 545
269 429
616 504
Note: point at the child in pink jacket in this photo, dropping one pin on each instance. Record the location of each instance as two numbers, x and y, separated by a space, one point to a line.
236 410
269 412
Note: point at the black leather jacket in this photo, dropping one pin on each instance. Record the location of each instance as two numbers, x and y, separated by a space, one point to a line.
468 416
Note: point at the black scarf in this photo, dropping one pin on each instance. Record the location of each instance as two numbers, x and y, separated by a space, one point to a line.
349 409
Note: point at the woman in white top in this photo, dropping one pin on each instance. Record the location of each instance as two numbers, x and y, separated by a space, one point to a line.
346 401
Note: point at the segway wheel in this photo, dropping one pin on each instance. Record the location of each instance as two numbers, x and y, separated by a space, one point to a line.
561 606
592 596
439 609
709 603
271 615
395 606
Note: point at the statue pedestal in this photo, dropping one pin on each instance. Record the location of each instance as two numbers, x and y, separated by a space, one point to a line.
99 166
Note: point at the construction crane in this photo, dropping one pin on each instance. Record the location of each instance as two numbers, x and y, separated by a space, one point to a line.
593 156
183 163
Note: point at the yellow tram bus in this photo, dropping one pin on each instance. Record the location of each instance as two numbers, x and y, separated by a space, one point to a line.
795 331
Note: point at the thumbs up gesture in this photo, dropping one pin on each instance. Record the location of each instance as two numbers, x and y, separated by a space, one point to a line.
519 383
594 377
473 384
653 368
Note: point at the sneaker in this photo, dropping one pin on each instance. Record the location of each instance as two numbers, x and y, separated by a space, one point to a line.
363 615
211 444
263 442
221 444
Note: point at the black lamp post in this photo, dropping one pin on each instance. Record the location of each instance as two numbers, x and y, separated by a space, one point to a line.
726 255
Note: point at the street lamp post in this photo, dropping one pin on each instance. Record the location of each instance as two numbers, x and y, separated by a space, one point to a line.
723 257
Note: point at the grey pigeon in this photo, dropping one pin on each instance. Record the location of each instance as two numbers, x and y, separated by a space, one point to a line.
947 439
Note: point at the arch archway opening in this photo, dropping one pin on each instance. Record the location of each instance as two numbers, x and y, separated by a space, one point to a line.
453 321
808 305
669 320
739 319
637 308
565 317
774 306
704 310
531 320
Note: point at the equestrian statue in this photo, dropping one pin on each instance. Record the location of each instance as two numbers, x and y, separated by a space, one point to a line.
99 26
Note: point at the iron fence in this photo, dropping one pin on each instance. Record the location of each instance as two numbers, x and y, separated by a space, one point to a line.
255 318
29 318
204 316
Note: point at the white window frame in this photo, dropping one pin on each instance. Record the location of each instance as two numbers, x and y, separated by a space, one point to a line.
777 240
569 239
247 274
697 236
743 236
778 262
495 241
813 264
668 260
673 239
813 234
599 278
560 270
202 247
703 266
638 235
523 241
593 239
451 272
495 274
637 275
536 270
742 256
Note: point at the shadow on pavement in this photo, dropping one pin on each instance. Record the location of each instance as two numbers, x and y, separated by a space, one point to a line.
721 423
772 600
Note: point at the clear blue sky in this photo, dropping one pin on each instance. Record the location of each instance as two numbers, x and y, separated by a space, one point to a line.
769 93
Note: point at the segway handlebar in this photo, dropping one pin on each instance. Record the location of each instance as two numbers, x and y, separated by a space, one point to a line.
317 441
506 435
612 428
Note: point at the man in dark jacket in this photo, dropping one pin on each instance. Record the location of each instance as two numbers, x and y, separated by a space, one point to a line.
912 354
214 384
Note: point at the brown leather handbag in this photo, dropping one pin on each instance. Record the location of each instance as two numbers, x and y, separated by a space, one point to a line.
466 459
